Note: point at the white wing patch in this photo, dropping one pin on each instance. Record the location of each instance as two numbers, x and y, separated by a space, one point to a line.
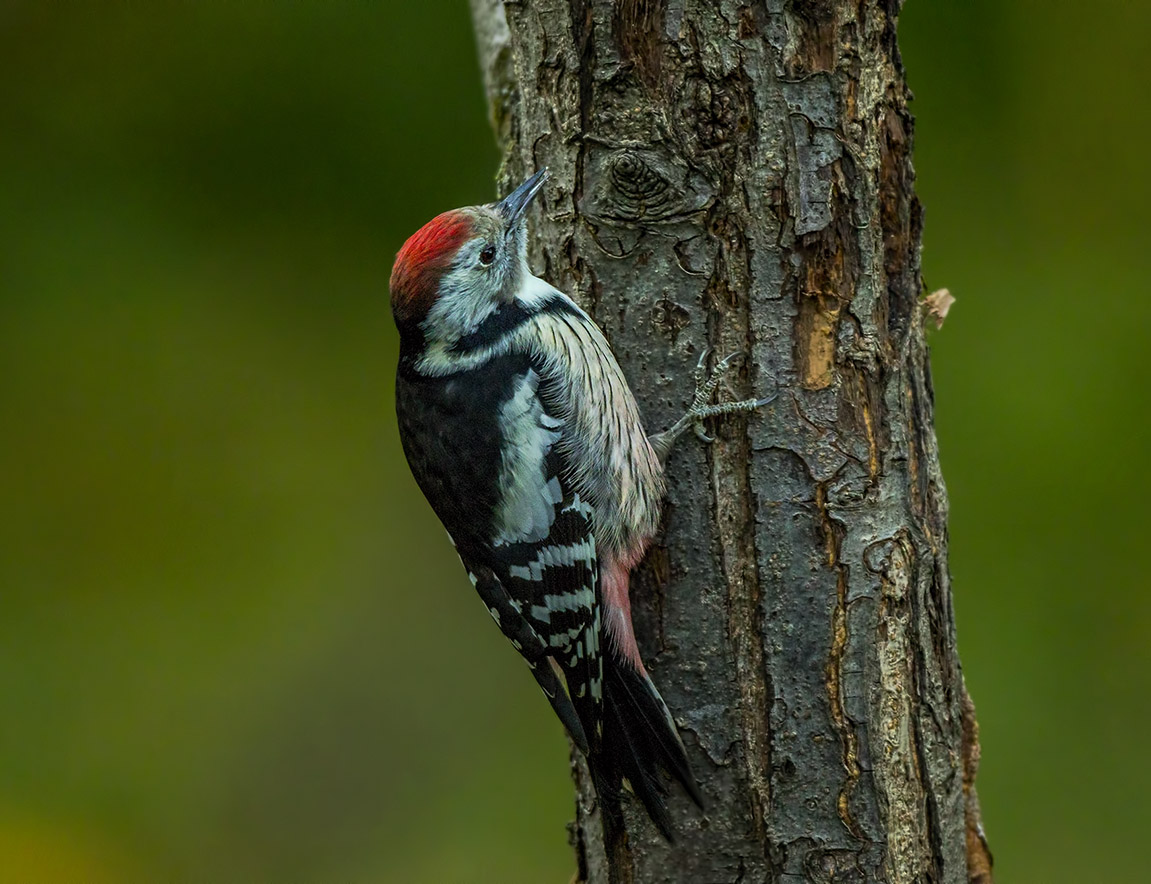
528 498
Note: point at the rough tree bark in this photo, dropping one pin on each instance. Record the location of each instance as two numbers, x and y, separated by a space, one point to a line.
737 177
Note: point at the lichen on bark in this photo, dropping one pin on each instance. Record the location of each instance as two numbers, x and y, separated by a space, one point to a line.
737 177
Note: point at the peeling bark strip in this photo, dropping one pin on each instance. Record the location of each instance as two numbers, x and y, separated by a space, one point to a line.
737 177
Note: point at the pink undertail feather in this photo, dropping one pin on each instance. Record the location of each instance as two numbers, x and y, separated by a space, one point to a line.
615 577
641 746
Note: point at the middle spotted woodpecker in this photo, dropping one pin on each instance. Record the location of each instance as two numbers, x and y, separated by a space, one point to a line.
523 435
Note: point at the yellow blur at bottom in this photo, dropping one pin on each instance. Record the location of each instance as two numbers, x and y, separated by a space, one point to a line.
38 851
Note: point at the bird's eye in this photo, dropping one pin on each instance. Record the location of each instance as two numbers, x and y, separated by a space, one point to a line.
488 255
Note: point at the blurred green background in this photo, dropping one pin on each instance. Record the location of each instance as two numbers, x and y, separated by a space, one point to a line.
234 644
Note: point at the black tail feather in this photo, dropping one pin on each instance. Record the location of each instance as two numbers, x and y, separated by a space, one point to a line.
640 743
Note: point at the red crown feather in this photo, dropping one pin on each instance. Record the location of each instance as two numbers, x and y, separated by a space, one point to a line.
422 261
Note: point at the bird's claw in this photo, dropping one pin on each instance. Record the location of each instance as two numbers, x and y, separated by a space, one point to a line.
705 387
700 372
701 407
705 384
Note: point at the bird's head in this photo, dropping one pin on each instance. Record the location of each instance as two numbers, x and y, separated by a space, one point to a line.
459 267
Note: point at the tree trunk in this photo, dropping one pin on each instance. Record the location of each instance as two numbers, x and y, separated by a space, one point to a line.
733 177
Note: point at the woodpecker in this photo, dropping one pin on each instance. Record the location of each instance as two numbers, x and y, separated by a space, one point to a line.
524 436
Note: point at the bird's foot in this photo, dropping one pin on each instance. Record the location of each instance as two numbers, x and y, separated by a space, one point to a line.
702 407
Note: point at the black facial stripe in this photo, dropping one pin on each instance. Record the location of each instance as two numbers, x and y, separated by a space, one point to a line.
505 319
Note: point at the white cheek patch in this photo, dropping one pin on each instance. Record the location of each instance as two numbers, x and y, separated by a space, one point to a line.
467 296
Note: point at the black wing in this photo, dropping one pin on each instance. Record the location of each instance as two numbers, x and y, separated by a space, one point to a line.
484 449
555 585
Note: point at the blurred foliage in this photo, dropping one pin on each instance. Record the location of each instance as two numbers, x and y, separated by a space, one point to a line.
234 644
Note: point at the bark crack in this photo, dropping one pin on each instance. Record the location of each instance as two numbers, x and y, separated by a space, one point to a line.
833 532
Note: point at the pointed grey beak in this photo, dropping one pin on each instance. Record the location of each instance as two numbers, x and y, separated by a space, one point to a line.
513 206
